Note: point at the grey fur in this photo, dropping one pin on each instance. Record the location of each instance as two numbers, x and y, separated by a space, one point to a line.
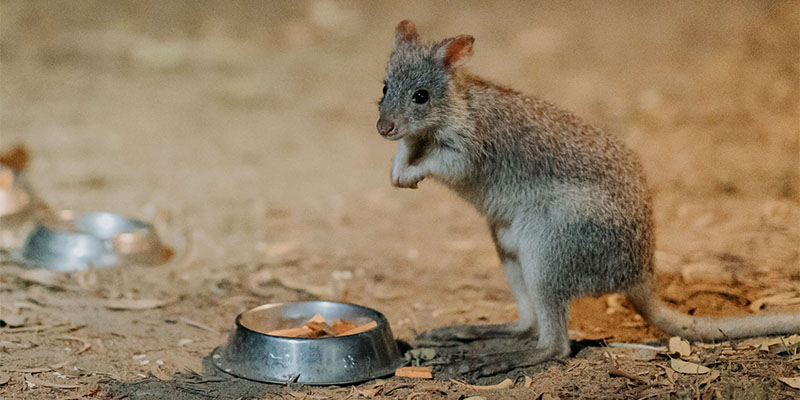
567 203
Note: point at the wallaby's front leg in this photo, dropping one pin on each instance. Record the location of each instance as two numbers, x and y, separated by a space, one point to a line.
404 174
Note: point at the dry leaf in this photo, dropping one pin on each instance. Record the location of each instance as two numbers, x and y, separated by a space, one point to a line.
256 280
548 396
44 277
614 303
12 320
160 372
328 291
414 372
717 289
136 304
670 374
637 346
86 344
644 355
680 346
38 382
793 382
87 279
5 344
196 324
453 310
375 390
34 370
711 377
633 324
783 299
37 328
678 292
322 291
706 272
763 344
528 381
687 367
15 158
4 379
505 384
280 250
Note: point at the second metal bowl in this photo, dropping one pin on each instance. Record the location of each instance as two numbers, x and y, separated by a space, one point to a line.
99 239
253 354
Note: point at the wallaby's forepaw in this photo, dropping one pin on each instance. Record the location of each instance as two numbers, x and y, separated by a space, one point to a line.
405 181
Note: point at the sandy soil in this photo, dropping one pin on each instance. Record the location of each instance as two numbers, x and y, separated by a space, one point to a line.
249 128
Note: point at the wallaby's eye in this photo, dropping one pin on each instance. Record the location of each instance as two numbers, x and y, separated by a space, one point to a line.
420 96
384 89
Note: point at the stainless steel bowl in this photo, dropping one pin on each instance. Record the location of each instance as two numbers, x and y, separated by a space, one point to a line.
101 239
252 354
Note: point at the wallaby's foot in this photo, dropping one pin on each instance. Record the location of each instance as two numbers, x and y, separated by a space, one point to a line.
455 335
493 364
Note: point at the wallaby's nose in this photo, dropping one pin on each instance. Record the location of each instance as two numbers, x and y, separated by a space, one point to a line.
385 127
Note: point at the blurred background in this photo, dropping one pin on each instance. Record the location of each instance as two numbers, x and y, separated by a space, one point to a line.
252 124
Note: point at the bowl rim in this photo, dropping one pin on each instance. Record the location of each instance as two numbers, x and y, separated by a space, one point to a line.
380 319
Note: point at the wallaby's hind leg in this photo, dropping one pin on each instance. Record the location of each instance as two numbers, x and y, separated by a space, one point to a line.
525 326
552 312
553 343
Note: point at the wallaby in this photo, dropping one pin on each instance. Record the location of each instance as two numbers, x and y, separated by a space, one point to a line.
567 203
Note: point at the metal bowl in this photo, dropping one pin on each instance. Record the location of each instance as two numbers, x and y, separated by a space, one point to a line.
253 354
101 239
16 198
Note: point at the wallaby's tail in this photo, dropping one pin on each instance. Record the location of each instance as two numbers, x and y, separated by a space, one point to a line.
676 323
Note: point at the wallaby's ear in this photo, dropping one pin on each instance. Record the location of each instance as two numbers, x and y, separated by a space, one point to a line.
405 32
455 52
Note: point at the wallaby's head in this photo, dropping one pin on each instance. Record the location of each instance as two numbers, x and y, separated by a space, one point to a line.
416 91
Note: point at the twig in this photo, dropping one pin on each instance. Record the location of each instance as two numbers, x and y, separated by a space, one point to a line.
196 324
389 392
657 394
36 381
613 370
636 346
32 328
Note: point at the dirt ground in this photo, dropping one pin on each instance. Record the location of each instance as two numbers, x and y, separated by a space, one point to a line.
246 131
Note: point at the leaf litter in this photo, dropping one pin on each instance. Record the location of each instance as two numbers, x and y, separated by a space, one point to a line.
38 382
137 304
793 382
504 384
679 346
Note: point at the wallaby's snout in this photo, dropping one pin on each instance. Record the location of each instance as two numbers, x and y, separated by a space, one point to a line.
386 127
